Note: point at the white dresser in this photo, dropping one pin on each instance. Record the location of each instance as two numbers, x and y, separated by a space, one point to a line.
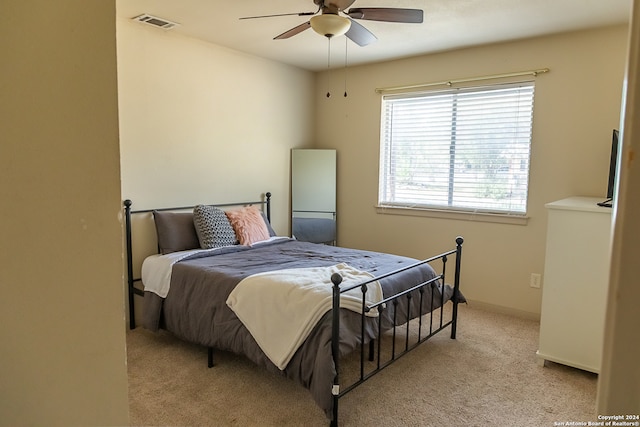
576 277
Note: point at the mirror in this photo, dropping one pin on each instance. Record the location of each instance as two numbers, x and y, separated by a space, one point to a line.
313 195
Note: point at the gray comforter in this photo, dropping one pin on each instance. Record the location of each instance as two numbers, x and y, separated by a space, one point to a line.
195 308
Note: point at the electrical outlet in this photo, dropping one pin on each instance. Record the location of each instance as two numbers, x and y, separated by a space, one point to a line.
534 280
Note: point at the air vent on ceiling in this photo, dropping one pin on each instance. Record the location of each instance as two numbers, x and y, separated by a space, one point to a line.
155 21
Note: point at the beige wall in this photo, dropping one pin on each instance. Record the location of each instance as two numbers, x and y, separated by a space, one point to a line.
577 106
63 358
201 123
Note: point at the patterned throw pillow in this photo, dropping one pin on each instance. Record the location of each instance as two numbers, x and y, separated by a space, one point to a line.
213 227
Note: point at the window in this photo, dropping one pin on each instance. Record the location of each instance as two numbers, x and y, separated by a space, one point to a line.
461 149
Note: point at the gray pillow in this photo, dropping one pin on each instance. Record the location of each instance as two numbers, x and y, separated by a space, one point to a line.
213 227
175 231
272 232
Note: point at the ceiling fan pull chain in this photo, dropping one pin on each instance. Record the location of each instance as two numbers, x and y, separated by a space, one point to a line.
346 65
329 69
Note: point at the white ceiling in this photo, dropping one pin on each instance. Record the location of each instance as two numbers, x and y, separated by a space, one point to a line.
448 24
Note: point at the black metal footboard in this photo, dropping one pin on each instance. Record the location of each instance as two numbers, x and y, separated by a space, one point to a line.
436 322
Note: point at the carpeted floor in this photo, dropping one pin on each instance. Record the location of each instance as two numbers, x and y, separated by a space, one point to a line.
488 376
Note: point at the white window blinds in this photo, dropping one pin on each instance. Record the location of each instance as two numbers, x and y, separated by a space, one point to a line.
459 149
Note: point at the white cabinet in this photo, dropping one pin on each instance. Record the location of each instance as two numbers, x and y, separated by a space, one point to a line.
576 277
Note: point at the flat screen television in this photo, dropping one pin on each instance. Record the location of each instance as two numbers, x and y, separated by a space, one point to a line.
613 167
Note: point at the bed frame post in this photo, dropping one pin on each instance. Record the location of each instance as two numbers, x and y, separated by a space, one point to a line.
210 357
127 225
456 287
336 279
268 202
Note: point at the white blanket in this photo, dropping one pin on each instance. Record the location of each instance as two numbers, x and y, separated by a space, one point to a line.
280 308
156 271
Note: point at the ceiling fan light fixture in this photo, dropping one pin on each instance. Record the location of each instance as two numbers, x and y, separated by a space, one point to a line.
330 25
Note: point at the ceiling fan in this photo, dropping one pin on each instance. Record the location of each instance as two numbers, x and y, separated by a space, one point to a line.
329 21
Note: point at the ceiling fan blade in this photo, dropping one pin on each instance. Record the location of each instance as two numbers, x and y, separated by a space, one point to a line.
292 32
387 14
280 14
341 4
360 35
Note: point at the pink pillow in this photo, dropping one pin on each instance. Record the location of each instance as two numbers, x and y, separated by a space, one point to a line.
248 225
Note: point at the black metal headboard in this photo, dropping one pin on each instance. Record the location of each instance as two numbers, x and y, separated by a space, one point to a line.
132 280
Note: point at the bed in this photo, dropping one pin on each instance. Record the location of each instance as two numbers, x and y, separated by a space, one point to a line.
237 298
